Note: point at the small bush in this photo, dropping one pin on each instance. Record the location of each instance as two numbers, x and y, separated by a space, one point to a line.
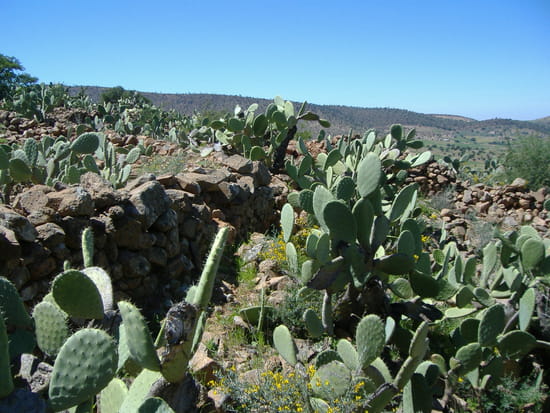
529 158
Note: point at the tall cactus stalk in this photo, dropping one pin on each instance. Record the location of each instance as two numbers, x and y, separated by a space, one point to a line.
204 289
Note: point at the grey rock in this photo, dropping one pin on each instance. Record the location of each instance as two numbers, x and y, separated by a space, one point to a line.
262 176
9 246
134 265
166 221
102 192
149 202
238 164
22 228
50 234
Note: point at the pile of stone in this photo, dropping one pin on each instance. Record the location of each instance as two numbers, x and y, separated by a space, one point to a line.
432 177
152 236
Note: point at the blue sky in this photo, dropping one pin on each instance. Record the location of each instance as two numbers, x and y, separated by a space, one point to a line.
480 58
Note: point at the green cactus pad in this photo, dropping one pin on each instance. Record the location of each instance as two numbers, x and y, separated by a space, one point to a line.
464 296
483 297
348 354
292 257
311 245
516 344
419 343
77 295
154 405
50 326
19 170
5 369
287 221
112 396
308 269
491 325
526 308
85 365
345 189
321 196
364 217
138 338
319 405
532 253
404 203
406 243
368 174
283 342
313 323
139 390
305 200
490 254
430 371
469 357
86 143
406 371
402 288
381 230
417 395
12 307
340 221
469 330
104 285
455 312
370 337
395 264
252 314
323 249
331 380
325 357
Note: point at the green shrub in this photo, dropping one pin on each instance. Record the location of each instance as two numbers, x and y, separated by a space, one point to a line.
529 158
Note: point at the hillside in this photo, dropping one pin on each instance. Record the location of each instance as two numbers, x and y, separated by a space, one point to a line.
344 118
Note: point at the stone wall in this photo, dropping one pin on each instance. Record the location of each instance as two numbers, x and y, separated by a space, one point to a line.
152 236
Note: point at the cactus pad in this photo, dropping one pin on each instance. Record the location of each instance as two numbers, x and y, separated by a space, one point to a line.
138 338
516 344
5 370
313 323
283 342
526 308
85 143
348 354
371 336
368 174
112 396
154 405
77 295
331 380
287 221
85 365
103 283
50 327
491 325
340 221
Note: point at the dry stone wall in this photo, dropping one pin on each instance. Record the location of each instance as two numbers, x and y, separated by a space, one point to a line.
152 236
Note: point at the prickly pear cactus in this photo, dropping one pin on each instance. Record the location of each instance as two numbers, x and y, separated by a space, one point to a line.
86 363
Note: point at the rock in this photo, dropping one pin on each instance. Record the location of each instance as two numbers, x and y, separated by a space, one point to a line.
102 192
262 176
518 183
202 365
22 228
134 265
166 221
37 374
73 202
446 212
140 180
9 246
188 184
208 182
238 164
50 234
33 199
524 203
540 195
149 201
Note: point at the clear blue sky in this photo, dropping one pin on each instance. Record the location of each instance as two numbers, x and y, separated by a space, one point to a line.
480 58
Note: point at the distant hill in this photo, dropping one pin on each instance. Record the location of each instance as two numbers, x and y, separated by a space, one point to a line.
344 118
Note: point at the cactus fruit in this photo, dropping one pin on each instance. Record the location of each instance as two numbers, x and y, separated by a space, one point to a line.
138 338
283 342
370 336
50 327
85 364
112 396
77 295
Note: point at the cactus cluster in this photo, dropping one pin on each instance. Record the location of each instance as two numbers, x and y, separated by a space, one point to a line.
87 361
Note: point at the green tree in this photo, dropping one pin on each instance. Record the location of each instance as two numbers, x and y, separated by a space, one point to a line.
116 93
529 158
11 78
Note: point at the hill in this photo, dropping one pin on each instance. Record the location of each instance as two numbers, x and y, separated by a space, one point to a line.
344 118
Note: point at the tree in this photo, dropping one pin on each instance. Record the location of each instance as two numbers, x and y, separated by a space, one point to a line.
529 158
10 79
114 94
